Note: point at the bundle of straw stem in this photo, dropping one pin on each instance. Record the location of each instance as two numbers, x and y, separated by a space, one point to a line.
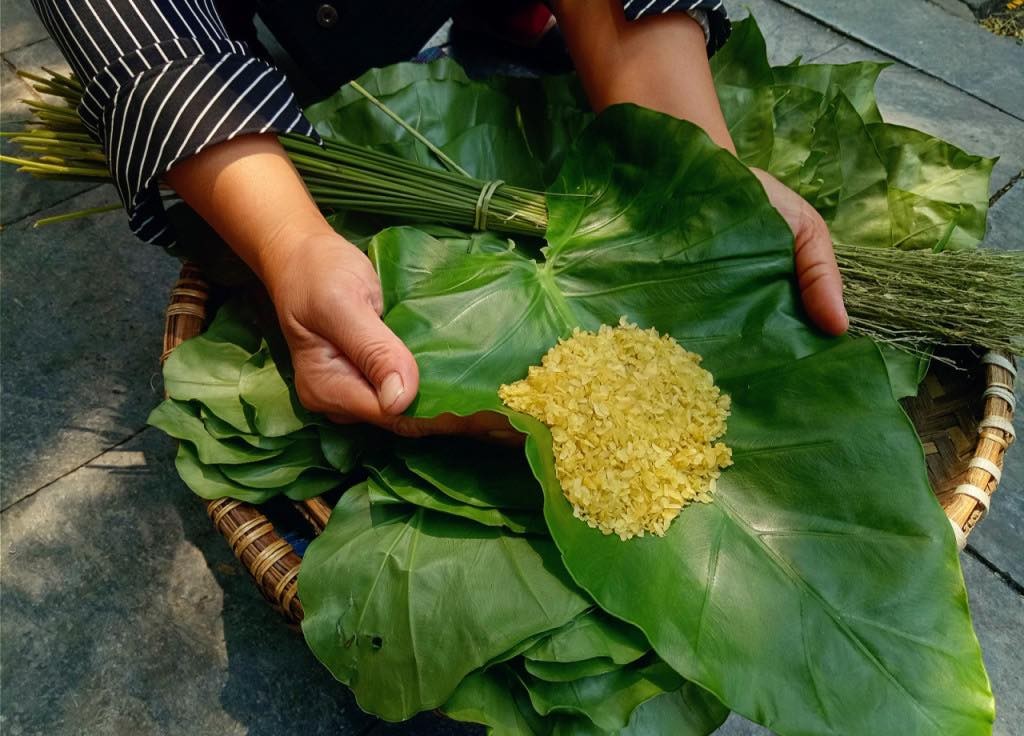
912 299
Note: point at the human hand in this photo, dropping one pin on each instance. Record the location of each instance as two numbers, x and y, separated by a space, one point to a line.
821 286
348 364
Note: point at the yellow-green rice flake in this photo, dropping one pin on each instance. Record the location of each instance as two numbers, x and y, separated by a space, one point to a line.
634 419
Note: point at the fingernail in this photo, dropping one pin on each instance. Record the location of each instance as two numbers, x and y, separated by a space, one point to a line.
391 390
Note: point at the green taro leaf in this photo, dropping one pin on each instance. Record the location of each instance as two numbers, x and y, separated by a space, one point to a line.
936 191
281 470
274 407
401 605
820 591
607 700
689 710
592 635
744 80
888 186
615 250
343 445
569 671
856 81
500 128
221 430
762 587
472 472
495 698
209 481
802 94
411 489
180 419
206 368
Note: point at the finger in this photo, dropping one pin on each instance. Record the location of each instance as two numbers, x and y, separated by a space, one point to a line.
821 286
328 383
485 425
382 359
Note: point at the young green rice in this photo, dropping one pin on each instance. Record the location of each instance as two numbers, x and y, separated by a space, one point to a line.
634 420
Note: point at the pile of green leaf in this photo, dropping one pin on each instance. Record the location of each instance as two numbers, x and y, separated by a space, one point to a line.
242 432
819 593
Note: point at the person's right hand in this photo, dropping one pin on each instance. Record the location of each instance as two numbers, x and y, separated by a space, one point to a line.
348 364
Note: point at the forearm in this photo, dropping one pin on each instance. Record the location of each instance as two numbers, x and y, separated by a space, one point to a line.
249 192
659 62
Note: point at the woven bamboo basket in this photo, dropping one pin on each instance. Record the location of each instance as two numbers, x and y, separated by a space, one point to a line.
963 417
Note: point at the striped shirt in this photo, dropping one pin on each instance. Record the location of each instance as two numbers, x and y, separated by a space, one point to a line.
164 79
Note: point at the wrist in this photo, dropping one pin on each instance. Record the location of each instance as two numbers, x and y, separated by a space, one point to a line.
287 244
289 257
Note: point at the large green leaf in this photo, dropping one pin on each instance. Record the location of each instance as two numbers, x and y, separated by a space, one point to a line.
206 368
802 94
501 128
488 476
569 671
593 635
180 419
210 482
856 588
743 80
615 250
607 700
402 604
271 400
883 185
414 490
221 430
856 81
281 470
495 698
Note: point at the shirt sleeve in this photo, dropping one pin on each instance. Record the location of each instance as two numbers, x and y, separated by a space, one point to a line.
163 80
711 15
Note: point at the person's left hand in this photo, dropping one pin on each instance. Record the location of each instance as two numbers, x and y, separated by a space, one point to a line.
821 286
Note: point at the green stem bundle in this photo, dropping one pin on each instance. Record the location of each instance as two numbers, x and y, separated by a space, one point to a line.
911 299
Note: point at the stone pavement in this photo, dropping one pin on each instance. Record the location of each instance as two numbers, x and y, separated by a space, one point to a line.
124 612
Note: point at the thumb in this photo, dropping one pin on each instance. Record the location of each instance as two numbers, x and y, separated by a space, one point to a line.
383 359
821 285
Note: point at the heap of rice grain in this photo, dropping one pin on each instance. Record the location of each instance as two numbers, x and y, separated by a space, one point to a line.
634 419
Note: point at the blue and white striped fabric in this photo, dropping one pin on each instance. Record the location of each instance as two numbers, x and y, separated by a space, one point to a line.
164 80
710 14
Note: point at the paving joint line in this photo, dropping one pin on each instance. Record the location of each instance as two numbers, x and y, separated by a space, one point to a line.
75 469
1006 188
908 64
33 213
993 568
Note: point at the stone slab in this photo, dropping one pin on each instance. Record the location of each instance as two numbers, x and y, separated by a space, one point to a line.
35 56
982 8
998 613
20 23
82 307
909 97
22 195
125 613
959 8
1006 220
12 91
787 33
960 52
1000 537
